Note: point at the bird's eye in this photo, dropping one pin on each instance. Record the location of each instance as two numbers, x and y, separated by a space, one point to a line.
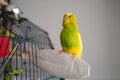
70 16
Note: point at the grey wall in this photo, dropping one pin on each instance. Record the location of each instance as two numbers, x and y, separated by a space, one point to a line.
99 24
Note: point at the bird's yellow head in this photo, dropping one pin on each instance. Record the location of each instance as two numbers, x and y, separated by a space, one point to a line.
69 18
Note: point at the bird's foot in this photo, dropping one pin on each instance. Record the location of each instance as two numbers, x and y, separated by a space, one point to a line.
60 52
73 57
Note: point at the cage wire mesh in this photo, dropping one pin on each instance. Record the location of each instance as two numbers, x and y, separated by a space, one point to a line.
19 36
16 38
23 38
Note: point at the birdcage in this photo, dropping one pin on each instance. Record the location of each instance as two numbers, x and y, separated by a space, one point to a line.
17 37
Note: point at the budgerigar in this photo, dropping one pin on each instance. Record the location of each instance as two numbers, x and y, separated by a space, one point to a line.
70 36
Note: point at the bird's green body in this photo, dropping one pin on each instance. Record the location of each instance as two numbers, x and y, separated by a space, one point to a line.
70 39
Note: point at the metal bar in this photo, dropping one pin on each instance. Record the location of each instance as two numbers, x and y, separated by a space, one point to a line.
7 60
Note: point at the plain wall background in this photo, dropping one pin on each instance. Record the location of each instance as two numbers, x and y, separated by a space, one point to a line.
99 24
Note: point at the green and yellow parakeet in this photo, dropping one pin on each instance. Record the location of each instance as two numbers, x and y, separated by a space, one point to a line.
70 36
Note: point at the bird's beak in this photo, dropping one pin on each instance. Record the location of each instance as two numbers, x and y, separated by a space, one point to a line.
65 22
